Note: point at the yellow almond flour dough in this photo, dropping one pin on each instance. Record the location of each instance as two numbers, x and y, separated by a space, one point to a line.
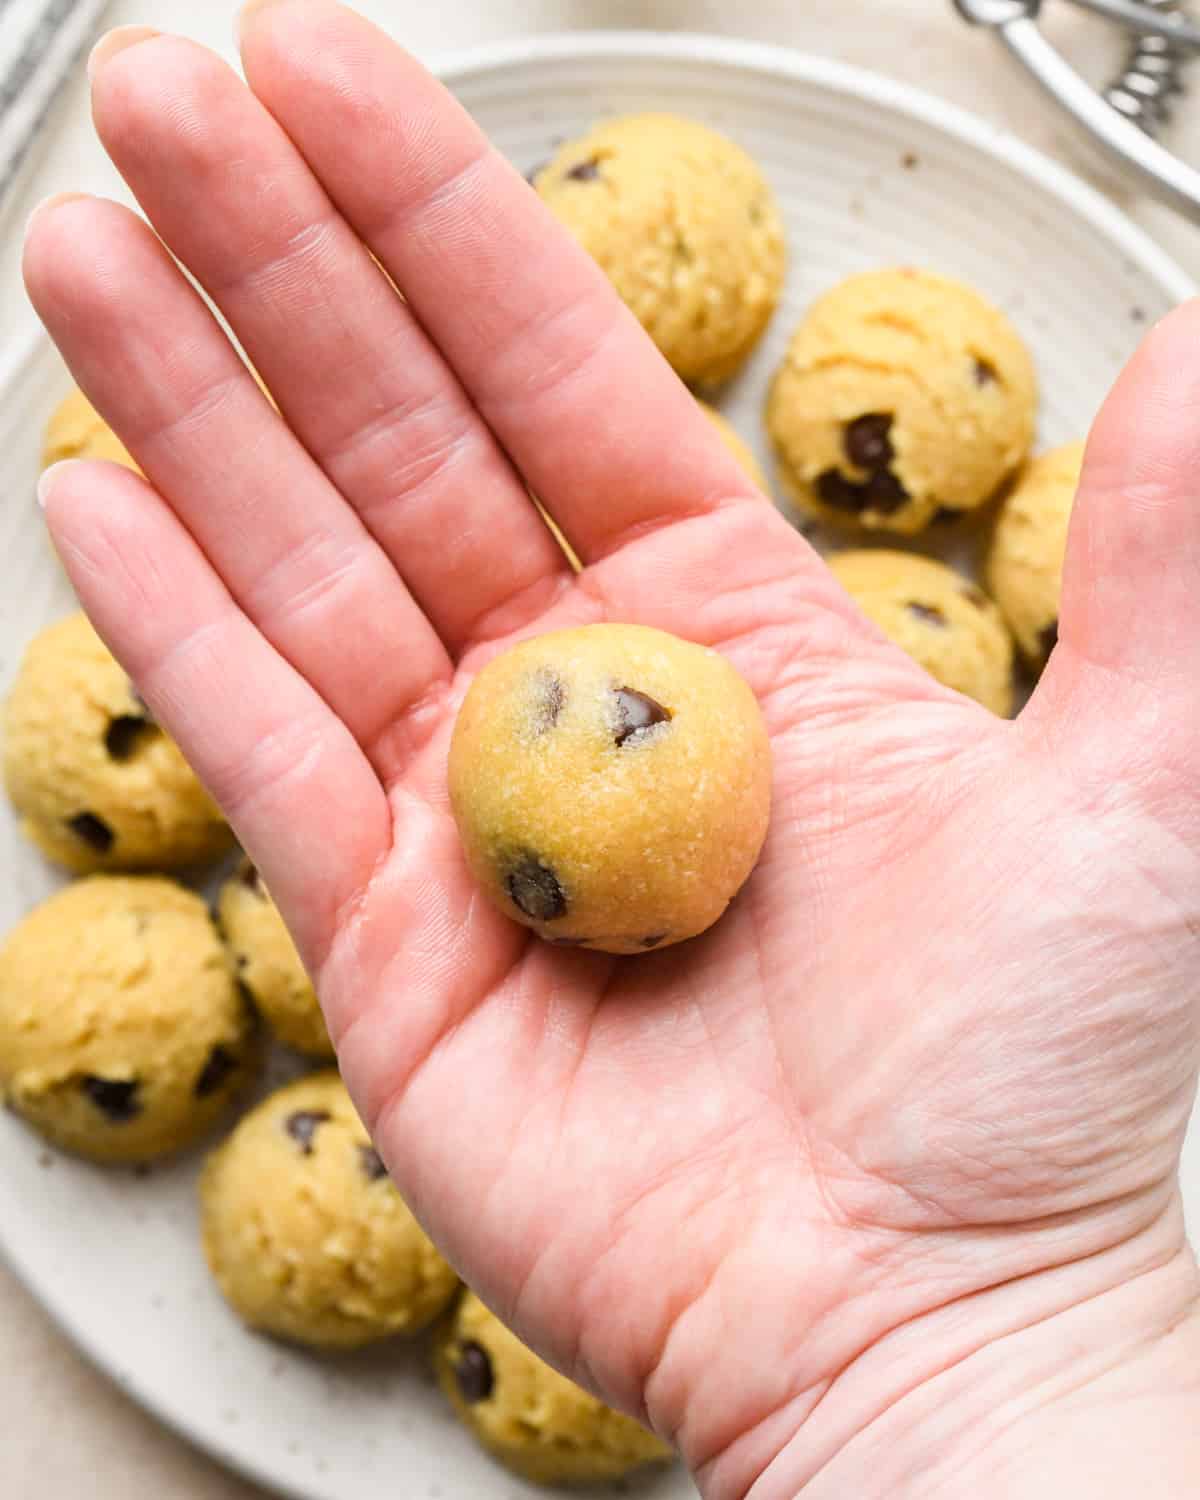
902 393
611 785
305 1233
268 965
1024 566
123 1035
686 228
737 445
96 783
945 623
534 1420
77 430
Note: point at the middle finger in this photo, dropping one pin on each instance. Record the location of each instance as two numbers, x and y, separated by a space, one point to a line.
353 372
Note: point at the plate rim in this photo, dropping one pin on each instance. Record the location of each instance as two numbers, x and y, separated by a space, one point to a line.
453 66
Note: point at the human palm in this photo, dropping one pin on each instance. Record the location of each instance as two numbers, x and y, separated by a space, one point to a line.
949 1012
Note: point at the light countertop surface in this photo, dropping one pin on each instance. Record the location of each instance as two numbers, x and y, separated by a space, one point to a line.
64 1429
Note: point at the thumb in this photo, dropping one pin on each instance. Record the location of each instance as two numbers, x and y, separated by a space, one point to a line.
1125 675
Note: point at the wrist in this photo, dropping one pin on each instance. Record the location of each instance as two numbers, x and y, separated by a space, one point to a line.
1076 1379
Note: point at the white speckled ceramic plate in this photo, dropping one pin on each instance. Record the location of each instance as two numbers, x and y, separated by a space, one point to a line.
868 173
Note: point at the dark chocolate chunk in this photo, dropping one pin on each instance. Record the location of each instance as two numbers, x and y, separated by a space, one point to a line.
985 373
929 614
867 442
884 493
93 831
371 1163
636 712
653 940
584 171
840 493
221 1063
115 1098
126 733
473 1373
302 1127
550 693
535 890
1048 638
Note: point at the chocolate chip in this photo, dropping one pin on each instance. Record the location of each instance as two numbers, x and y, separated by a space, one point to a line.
867 442
1048 639
985 373
535 890
116 1098
221 1063
550 693
884 493
653 940
636 712
473 1372
126 733
840 493
371 1163
302 1127
974 595
929 614
93 831
584 171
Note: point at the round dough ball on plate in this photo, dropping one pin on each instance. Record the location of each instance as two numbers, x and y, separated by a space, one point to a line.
77 430
304 1231
945 623
902 393
534 1420
268 965
611 785
123 1035
96 783
686 228
1024 568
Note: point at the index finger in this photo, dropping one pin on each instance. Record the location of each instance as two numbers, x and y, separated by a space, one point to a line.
598 423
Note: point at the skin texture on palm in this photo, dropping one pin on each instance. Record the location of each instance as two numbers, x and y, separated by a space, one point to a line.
923 1088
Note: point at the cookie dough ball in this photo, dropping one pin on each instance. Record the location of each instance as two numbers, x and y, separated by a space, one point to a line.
304 1231
686 228
902 393
268 965
736 444
96 783
946 624
611 785
534 1420
122 1032
1024 568
77 430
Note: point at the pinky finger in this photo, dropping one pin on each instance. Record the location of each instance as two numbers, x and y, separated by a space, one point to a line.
289 776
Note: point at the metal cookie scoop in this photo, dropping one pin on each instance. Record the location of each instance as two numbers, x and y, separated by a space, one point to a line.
1124 118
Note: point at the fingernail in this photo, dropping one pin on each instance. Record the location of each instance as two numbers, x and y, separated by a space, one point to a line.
51 202
249 9
115 41
48 478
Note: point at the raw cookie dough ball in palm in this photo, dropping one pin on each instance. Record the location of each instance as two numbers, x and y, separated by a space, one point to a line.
268 965
305 1232
123 1034
77 430
611 785
684 225
902 393
946 624
96 784
1024 568
736 444
534 1420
